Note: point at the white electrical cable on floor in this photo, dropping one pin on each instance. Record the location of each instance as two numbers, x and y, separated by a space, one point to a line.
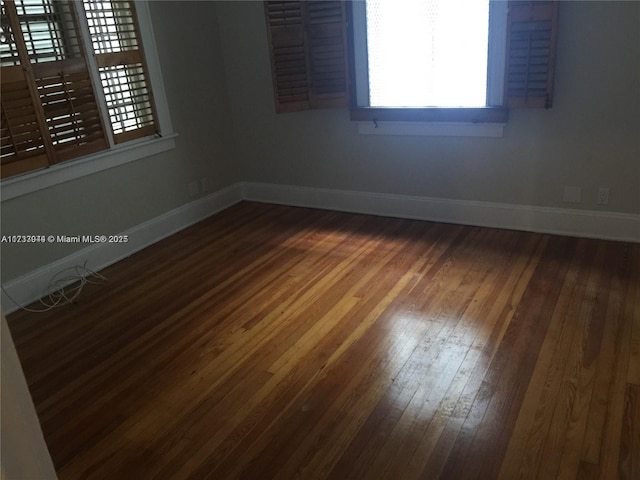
61 288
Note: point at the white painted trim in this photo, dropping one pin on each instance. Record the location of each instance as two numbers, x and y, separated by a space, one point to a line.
580 223
153 65
33 285
559 221
360 54
33 181
435 129
497 55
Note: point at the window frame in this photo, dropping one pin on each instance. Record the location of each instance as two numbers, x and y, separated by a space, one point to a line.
496 112
115 154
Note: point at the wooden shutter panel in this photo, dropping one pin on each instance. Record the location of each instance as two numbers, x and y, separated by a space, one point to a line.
307 46
531 50
287 44
43 57
117 46
61 74
70 108
21 140
327 53
22 146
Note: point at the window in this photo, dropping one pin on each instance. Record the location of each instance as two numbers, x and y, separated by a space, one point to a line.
506 48
85 87
118 52
427 53
429 60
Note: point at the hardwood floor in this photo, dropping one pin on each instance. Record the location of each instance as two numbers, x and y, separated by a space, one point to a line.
279 342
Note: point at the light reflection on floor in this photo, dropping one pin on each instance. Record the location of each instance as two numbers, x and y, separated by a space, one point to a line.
430 362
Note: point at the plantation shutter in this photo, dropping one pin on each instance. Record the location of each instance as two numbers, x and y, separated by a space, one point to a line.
117 47
21 139
307 46
60 117
531 50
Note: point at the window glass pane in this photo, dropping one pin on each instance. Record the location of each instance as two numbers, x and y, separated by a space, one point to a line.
115 39
424 53
127 97
49 29
112 26
8 52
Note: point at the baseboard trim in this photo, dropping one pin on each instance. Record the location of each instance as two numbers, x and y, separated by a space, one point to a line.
558 221
32 286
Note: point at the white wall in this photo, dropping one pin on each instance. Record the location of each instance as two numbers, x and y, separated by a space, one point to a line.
590 138
24 454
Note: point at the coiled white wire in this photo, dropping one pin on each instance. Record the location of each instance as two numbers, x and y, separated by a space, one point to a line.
63 289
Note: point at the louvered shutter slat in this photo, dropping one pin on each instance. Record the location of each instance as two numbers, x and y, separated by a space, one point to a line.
59 82
308 53
115 37
531 44
21 141
68 99
328 53
288 55
60 70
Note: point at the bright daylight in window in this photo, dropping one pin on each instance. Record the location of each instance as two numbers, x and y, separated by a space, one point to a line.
427 53
113 30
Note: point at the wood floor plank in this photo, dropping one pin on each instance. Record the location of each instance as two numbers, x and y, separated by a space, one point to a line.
524 452
593 313
382 352
633 375
609 462
367 443
630 436
438 368
594 433
277 342
493 412
167 338
160 415
574 391
456 402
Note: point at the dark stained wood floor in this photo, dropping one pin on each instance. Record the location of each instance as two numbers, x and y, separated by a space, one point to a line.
279 342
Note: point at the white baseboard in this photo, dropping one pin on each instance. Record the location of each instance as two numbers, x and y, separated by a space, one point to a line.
559 221
579 223
32 286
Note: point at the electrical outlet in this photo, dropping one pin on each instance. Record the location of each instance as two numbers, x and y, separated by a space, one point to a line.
572 194
603 196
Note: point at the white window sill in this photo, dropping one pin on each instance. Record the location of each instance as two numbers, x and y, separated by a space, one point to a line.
435 129
24 184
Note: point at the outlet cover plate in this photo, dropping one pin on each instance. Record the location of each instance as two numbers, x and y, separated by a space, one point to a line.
603 196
